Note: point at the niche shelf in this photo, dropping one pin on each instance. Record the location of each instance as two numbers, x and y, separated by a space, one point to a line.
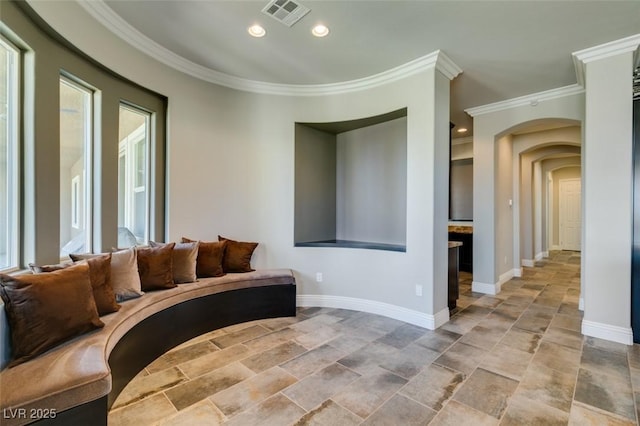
351 183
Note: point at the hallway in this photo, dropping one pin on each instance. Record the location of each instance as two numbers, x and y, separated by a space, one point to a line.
513 359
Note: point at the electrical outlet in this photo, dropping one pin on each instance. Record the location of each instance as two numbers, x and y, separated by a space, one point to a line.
319 277
418 290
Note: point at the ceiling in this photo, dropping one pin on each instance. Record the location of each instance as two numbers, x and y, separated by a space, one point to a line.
506 49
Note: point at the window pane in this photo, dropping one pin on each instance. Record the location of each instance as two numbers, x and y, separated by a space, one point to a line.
8 155
75 151
133 177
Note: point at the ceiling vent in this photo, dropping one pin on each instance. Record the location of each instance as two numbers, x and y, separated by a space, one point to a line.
287 12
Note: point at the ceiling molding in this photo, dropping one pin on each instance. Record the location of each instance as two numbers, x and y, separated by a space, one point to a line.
100 11
527 100
606 50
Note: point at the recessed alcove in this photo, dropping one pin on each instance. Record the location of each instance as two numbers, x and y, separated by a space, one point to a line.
351 183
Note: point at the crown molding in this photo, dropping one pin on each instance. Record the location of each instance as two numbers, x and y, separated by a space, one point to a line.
606 50
531 100
100 11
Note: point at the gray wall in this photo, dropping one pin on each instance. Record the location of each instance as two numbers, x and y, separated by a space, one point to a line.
231 171
461 191
372 183
315 185
45 59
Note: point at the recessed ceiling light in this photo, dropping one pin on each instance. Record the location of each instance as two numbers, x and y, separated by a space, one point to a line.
256 31
320 30
462 130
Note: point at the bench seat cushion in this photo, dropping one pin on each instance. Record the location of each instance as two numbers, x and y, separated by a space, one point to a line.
77 371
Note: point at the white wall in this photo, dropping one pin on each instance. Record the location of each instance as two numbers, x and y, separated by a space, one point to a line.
315 185
230 172
371 180
607 183
503 209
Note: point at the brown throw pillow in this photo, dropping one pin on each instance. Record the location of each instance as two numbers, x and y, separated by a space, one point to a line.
100 274
47 309
184 260
124 273
155 267
210 255
237 256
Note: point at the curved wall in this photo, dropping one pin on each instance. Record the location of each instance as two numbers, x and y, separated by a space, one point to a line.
230 157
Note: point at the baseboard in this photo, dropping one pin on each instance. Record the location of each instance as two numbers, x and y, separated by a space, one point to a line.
528 263
486 288
517 272
613 333
545 254
539 256
556 248
581 304
505 277
373 307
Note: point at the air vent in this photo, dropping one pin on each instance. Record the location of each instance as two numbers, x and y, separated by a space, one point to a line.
287 12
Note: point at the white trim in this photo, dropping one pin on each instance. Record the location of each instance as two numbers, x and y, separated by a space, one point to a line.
602 51
613 333
486 288
556 247
100 11
517 272
532 100
545 254
505 278
380 308
528 263
581 304
539 256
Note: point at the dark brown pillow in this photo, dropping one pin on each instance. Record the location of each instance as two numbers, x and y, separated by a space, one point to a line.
210 255
184 260
237 256
155 267
100 275
47 309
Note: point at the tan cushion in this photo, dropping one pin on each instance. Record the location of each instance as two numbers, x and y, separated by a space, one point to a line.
47 309
184 260
100 274
124 273
210 256
154 267
237 256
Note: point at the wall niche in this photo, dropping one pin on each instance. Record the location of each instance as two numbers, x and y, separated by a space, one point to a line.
351 183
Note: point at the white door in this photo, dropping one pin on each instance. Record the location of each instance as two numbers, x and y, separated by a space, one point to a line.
570 214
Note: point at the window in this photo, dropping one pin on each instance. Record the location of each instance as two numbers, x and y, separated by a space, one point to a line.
9 71
133 176
75 167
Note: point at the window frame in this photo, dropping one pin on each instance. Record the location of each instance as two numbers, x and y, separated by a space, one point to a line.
13 117
127 148
85 210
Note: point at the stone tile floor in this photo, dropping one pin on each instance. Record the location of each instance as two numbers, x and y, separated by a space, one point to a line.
516 358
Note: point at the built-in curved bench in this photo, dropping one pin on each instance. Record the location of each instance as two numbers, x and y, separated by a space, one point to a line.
79 380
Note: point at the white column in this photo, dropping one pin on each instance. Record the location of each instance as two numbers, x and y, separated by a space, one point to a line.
607 190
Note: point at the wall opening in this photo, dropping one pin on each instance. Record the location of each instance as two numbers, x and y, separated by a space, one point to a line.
351 183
